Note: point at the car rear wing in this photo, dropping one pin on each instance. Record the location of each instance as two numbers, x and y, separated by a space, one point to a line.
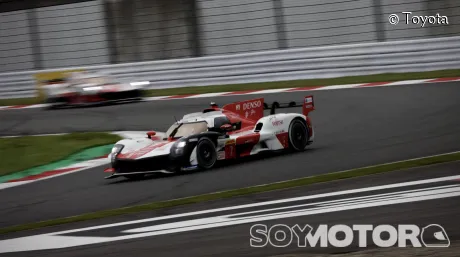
307 105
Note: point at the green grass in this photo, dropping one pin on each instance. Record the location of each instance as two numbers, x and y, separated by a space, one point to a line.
20 153
403 165
274 85
21 101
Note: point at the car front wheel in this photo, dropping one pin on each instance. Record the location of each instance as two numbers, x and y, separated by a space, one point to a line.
206 153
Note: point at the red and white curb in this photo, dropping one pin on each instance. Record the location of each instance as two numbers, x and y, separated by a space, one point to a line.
76 167
269 91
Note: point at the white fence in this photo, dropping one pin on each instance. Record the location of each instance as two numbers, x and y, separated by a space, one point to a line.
294 64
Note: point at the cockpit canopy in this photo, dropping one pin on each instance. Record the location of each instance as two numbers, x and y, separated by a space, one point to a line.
80 78
178 130
196 126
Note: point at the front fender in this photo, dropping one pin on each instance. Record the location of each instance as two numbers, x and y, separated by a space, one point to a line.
186 156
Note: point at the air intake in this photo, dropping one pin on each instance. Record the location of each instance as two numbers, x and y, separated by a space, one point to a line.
258 127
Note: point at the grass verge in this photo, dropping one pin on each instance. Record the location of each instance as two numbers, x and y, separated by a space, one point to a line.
389 77
20 153
402 165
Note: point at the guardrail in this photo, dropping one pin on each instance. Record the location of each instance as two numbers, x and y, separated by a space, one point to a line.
281 65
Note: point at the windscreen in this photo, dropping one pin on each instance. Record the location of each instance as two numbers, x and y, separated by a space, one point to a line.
171 129
187 129
78 79
95 80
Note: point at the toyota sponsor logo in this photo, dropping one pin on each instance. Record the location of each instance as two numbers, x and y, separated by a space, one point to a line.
252 105
277 123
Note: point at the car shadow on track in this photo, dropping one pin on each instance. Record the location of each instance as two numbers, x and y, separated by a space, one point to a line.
219 166
93 105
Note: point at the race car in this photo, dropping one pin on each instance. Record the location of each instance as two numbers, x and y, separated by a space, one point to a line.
200 139
82 88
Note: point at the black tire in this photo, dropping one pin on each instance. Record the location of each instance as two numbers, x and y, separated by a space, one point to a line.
298 135
135 176
52 103
206 154
51 107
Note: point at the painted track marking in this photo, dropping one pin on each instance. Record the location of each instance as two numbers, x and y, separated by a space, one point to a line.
64 239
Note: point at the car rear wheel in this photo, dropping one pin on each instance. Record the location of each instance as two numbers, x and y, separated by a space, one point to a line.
298 136
206 153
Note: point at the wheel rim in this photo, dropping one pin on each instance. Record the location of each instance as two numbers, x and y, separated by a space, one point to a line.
298 136
206 155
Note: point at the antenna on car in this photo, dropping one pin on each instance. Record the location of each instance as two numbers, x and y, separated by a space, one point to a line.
175 118
273 108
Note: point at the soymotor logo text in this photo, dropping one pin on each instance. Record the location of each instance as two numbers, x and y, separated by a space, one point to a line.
281 235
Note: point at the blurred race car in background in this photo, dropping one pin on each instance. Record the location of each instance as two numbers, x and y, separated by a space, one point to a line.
200 139
82 88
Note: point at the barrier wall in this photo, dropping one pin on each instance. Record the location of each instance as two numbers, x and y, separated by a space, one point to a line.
48 34
280 65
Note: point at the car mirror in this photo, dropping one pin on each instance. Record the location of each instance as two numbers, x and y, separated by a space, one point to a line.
237 125
150 134
226 127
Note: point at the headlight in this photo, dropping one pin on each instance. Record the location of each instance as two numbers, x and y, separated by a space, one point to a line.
178 147
117 148
115 151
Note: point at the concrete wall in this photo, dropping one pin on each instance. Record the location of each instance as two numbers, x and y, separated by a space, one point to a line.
327 22
403 30
163 29
236 26
72 35
245 25
55 36
449 8
150 29
118 31
15 42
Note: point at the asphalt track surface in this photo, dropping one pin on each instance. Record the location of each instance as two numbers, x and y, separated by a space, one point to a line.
233 240
354 128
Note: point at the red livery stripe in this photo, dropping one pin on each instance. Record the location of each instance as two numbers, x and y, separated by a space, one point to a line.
142 151
284 139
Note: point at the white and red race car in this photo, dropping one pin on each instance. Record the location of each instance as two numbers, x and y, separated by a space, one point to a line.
82 88
200 139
